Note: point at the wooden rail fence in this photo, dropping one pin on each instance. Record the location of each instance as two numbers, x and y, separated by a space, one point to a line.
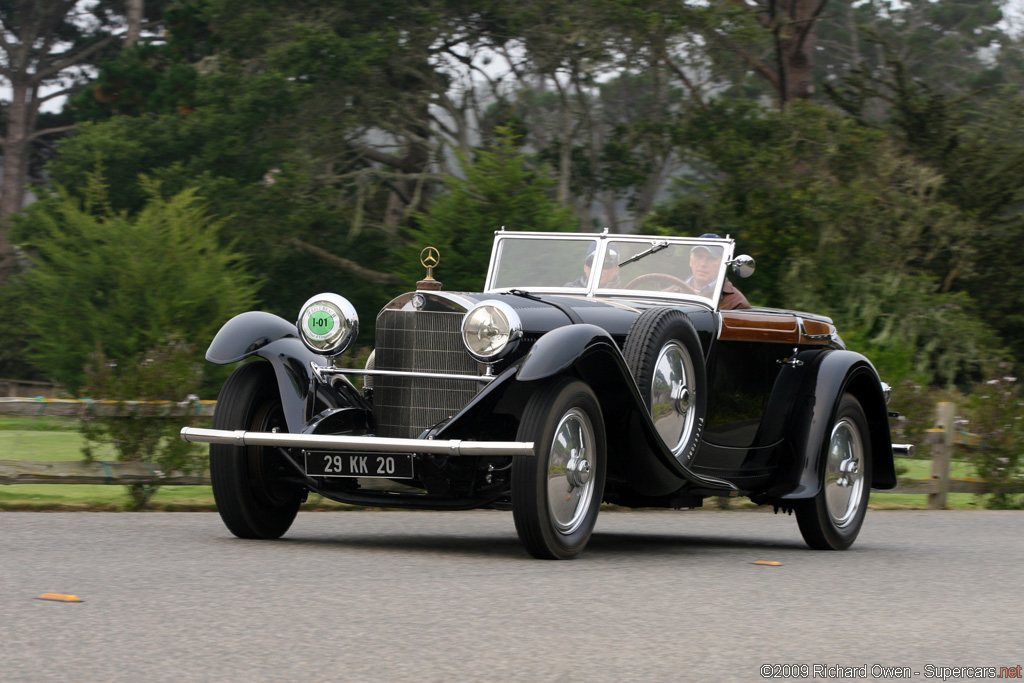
937 488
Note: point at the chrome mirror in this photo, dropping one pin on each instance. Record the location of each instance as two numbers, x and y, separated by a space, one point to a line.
743 265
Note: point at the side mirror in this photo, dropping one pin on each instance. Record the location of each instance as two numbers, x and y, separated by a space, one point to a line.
743 265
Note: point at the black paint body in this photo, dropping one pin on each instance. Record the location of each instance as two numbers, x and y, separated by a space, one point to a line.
763 436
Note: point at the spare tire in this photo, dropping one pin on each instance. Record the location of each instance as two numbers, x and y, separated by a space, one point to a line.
665 357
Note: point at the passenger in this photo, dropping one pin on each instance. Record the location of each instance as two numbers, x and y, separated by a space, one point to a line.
609 273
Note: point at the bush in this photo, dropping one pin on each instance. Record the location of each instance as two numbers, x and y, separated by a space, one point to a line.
121 307
121 284
995 411
137 435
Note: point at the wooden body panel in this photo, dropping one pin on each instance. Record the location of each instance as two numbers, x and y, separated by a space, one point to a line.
781 327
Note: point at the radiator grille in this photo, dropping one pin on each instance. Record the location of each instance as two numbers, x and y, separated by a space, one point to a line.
423 341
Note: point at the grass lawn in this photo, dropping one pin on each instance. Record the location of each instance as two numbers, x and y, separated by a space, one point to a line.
46 438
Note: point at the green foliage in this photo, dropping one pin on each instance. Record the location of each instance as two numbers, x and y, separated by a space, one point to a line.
325 123
122 284
271 129
915 402
842 224
171 369
975 148
956 46
995 411
499 189
141 80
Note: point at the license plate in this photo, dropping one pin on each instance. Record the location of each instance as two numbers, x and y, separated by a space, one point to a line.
370 465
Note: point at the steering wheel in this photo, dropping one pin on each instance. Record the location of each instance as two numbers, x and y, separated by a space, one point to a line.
675 285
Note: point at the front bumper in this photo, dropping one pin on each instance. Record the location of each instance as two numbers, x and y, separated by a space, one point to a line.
361 444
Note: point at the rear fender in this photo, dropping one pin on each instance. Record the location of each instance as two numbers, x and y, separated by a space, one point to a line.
827 376
273 338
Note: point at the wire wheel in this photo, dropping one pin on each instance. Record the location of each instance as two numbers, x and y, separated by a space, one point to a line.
833 518
557 494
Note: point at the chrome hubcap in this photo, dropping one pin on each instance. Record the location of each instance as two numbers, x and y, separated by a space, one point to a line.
844 483
673 395
570 464
578 472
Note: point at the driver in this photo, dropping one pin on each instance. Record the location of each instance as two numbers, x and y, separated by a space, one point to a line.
609 273
705 263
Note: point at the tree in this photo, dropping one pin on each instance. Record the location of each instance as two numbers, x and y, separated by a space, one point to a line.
975 142
994 412
775 39
842 223
958 47
46 47
500 189
316 128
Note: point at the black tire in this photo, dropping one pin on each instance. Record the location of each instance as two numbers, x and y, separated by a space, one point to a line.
833 518
665 357
247 483
557 417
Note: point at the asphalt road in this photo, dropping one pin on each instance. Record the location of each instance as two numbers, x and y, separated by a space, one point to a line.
432 596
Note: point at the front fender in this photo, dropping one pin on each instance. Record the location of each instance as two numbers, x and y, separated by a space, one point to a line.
828 375
559 349
268 336
589 353
247 333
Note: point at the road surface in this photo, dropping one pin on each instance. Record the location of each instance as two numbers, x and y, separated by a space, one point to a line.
437 596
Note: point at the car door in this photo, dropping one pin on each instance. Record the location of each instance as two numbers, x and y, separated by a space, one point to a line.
749 394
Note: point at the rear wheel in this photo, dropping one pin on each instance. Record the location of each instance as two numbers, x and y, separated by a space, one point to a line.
833 518
557 494
248 481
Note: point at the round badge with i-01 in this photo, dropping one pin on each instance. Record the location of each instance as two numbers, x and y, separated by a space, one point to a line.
321 321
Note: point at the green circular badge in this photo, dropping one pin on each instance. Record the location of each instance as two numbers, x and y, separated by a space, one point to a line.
321 321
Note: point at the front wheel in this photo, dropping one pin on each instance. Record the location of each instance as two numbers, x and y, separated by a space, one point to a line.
557 494
248 482
833 518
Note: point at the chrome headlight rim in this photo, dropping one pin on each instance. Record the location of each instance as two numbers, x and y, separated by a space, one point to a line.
341 331
514 334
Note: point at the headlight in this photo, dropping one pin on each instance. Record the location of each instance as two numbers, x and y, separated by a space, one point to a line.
327 324
490 330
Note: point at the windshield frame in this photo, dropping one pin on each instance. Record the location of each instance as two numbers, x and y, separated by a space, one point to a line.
603 240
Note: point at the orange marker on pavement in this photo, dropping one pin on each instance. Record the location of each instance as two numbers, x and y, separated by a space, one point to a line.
60 597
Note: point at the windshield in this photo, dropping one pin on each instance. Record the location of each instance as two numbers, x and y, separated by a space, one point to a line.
603 265
540 263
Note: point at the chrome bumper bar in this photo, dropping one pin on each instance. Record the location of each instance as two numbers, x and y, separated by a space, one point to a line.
904 449
327 442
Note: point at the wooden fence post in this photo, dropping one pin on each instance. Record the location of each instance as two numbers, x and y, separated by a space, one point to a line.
942 454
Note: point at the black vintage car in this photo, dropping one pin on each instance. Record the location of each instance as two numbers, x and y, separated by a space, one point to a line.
593 367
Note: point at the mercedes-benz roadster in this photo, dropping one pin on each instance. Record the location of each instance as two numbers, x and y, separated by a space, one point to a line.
592 368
